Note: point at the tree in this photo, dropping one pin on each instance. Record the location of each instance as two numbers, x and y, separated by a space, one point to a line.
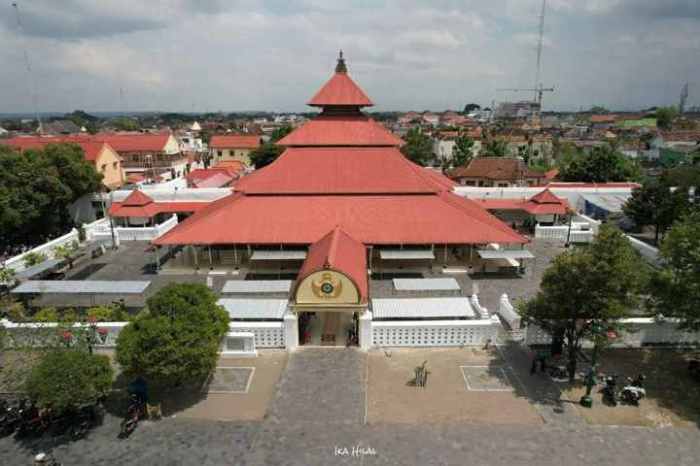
599 109
7 276
463 151
602 165
495 147
265 154
279 133
124 123
665 117
36 189
585 288
675 288
68 379
176 340
655 203
67 252
469 108
418 147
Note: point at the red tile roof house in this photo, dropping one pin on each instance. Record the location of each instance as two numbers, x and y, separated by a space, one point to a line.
148 154
341 181
226 147
497 171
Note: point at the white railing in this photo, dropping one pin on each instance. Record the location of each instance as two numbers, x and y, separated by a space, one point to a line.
561 233
142 233
17 262
95 229
435 332
508 314
267 334
593 224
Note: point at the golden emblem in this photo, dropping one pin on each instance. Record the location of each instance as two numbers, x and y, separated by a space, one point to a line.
326 286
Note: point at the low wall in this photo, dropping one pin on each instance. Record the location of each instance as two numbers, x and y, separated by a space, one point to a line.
435 332
561 233
17 262
649 253
267 334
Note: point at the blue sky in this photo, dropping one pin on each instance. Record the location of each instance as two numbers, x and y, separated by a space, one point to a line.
210 55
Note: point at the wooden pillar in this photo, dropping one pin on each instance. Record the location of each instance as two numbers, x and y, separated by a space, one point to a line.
196 257
235 255
445 257
211 265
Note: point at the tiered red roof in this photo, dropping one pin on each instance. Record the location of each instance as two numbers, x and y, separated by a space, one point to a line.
340 90
542 203
215 177
373 194
338 251
139 204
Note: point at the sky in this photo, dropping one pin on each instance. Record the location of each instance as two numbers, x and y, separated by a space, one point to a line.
240 55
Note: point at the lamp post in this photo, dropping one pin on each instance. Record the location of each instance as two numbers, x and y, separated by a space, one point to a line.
598 333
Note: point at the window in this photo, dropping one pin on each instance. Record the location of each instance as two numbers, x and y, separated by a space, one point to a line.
470 183
104 167
220 153
115 165
502 185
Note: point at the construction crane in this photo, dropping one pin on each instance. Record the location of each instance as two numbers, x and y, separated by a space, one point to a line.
684 99
538 88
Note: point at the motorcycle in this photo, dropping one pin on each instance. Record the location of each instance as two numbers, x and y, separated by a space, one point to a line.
32 422
634 391
9 419
133 415
609 394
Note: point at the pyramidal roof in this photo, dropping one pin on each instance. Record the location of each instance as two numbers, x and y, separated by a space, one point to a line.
137 198
545 197
340 90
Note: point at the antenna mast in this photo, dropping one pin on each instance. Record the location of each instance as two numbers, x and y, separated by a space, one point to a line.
539 50
28 66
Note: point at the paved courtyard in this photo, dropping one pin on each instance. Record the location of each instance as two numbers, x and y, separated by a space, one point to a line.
317 418
464 385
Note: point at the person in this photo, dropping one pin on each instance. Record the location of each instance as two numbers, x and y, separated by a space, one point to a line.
139 388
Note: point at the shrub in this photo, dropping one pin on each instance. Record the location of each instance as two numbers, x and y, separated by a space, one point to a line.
68 378
47 314
34 258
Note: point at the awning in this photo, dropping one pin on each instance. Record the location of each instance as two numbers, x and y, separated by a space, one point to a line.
257 286
426 284
607 202
278 255
82 287
422 308
406 254
37 269
254 308
505 254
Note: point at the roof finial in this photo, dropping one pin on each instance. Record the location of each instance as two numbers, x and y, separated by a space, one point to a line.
340 67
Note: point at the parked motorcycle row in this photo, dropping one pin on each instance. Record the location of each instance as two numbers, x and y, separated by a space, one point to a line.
631 393
24 419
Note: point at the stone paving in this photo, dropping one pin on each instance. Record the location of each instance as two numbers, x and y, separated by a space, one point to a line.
317 419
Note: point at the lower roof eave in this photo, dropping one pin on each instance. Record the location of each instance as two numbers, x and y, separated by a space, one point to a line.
166 242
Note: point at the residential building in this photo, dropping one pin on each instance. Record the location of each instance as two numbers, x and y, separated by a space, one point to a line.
223 147
496 171
100 154
58 127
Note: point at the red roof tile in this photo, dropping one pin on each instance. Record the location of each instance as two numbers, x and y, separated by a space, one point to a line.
542 203
211 177
237 141
118 209
91 149
137 198
495 168
347 170
371 219
351 130
338 251
340 90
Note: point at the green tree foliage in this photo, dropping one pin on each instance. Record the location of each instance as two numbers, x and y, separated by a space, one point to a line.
265 154
598 109
665 117
34 258
82 118
126 124
495 147
602 165
36 189
177 339
279 133
676 286
470 108
7 276
418 147
656 204
68 378
586 286
463 151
